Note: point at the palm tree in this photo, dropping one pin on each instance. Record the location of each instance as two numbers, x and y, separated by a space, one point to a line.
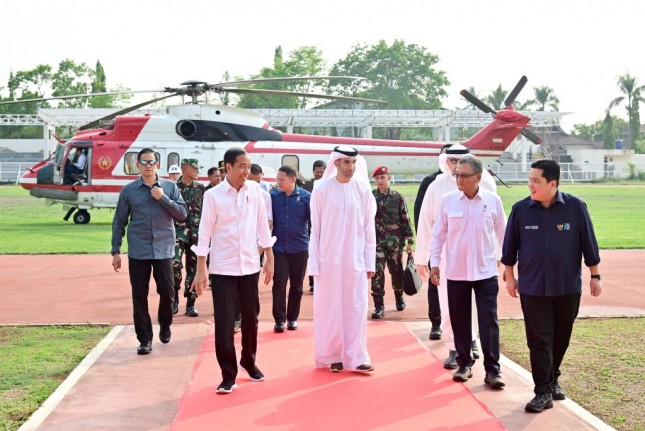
543 96
496 98
634 94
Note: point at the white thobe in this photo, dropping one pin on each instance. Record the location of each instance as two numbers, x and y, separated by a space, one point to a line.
445 183
342 249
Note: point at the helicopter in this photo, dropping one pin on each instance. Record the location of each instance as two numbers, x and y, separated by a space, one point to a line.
203 131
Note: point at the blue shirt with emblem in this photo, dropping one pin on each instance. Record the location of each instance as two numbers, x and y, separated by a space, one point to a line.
549 244
291 220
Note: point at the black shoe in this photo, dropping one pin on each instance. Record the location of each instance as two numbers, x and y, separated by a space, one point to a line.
451 362
365 368
279 328
191 311
144 348
311 289
462 374
475 350
164 335
254 373
400 303
292 325
557 393
336 367
226 387
175 306
378 313
494 380
435 333
540 402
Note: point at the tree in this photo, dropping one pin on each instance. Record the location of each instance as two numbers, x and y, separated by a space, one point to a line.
607 130
303 61
543 96
402 74
634 94
72 78
496 98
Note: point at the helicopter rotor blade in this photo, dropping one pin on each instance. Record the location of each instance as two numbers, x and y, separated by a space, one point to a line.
95 123
78 96
513 94
282 79
298 94
531 136
478 103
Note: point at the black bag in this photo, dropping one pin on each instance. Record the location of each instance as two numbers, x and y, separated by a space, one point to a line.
411 278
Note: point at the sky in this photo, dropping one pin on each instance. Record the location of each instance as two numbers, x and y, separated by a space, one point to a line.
579 48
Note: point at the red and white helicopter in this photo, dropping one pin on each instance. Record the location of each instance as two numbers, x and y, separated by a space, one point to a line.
205 132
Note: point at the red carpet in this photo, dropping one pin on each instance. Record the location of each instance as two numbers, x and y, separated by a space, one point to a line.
408 390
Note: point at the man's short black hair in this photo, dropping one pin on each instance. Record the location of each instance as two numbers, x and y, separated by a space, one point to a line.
256 169
212 170
146 151
289 171
231 155
550 169
320 164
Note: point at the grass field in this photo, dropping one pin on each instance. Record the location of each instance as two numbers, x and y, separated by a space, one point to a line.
35 361
618 213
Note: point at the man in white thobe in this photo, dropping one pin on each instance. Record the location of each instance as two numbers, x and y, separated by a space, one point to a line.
445 183
342 259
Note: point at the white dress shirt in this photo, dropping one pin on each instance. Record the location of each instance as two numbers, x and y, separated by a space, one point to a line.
474 228
232 225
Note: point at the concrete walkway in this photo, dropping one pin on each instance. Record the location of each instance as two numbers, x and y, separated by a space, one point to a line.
116 389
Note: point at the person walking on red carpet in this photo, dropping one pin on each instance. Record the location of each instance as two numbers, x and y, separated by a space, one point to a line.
233 225
342 259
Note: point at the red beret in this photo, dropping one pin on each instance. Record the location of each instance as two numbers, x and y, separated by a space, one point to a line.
381 170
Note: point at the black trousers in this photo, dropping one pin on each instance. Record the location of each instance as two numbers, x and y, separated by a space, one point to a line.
460 308
434 309
225 290
548 321
140 281
289 267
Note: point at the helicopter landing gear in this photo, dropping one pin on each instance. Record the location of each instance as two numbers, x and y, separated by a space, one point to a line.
82 217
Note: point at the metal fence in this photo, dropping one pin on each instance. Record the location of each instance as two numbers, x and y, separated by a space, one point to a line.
10 171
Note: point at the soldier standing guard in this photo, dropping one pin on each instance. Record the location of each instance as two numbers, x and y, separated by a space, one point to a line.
186 233
393 229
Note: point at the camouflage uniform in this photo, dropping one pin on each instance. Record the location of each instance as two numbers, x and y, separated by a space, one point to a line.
186 233
393 229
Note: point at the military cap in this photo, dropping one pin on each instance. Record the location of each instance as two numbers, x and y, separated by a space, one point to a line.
221 165
192 162
381 170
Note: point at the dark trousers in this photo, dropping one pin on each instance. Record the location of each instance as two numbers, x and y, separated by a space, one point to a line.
140 281
289 267
460 308
225 290
548 321
434 310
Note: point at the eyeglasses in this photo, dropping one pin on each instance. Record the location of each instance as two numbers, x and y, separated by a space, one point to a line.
463 176
147 162
453 160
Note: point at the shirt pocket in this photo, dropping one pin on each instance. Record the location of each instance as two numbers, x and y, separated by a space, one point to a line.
488 221
455 220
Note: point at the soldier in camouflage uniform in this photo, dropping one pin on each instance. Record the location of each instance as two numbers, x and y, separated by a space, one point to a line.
393 229
186 233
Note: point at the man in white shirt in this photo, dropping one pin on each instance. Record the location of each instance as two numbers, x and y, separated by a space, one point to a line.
473 222
443 184
342 259
233 226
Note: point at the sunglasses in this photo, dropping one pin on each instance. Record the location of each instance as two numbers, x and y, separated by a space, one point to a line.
147 162
463 176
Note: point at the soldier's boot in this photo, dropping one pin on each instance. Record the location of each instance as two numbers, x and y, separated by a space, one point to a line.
379 307
400 302
191 311
435 331
175 303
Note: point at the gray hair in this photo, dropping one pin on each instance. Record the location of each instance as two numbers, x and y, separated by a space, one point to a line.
473 161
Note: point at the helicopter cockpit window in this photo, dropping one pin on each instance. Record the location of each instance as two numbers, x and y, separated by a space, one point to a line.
173 159
130 160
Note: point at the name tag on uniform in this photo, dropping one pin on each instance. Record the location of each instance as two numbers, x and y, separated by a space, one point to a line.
531 227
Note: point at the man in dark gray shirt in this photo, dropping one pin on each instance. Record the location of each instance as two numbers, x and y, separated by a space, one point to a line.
149 204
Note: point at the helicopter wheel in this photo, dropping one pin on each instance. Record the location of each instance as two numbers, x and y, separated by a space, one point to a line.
82 217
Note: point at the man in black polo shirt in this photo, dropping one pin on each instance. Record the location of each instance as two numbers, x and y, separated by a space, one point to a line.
549 233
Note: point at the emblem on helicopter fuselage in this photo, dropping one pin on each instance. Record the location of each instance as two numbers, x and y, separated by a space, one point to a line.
105 162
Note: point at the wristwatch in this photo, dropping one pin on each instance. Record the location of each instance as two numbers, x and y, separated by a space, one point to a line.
598 276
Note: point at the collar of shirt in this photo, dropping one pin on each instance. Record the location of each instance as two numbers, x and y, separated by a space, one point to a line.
139 181
387 191
228 187
558 198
